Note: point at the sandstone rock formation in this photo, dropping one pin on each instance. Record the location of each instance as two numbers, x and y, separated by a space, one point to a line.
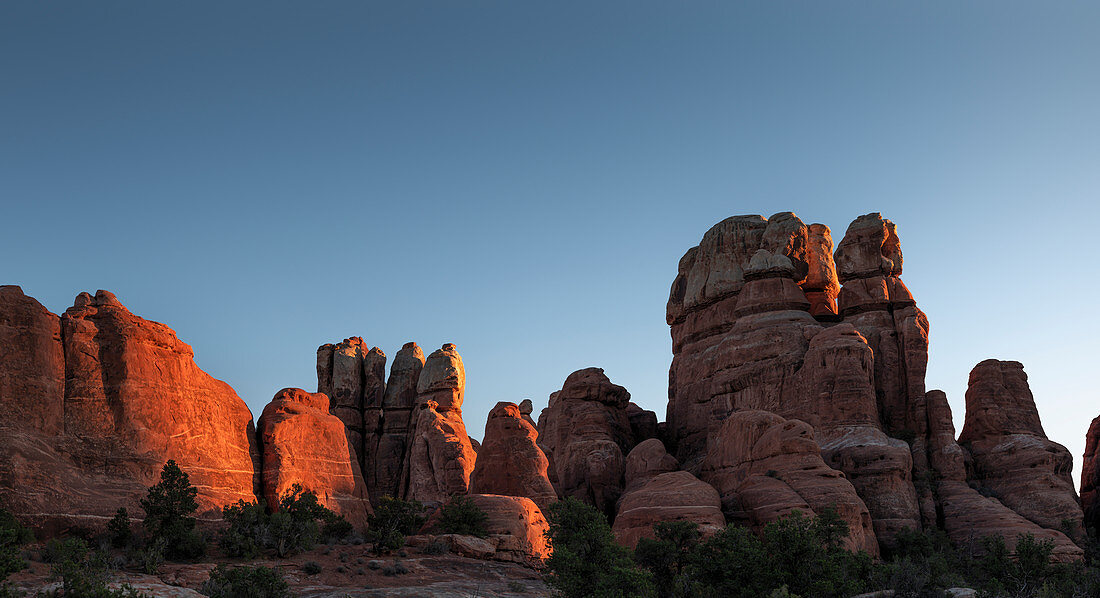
397 406
1090 476
765 466
586 432
1011 455
656 492
760 321
353 377
302 443
510 463
102 398
440 458
516 527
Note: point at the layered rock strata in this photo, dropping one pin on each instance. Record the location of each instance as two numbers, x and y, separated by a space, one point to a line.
101 399
656 492
1011 457
765 467
586 433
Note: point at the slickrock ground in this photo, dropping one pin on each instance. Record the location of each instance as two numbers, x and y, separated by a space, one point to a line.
432 576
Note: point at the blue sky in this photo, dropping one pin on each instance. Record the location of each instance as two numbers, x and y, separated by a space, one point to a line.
521 179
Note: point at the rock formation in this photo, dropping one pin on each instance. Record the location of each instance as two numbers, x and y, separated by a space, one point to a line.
516 526
302 443
1090 476
656 492
353 377
440 458
760 321
1011 456
101 399
765 467
397 406
510 463
585 431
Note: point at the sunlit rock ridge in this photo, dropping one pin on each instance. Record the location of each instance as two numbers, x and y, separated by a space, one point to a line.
797 382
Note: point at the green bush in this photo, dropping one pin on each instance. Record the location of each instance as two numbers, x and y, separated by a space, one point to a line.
668 554
82 572
150 557
118 529
461 516
12 536
169 506
393 519
245 582
294 528
732 562
311 568
586 560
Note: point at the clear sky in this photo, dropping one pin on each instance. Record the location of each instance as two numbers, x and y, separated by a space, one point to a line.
521 179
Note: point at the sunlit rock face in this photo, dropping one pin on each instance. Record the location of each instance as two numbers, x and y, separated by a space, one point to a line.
302 443
100 399
1010 453
510 462
585 432
765 316
440 457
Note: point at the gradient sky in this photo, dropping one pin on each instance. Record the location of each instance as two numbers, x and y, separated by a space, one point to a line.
522 179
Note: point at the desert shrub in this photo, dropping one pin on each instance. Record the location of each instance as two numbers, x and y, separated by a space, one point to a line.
150 557
82 572
294 527
246 532
461 516
12 536
586 560
169 505
393 519
809 558
336 527
733 563
245 582
668 553
311 568
118 529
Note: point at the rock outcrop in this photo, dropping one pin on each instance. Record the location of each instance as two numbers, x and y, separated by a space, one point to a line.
302 443
101 399
585 431
510 463
440 458
1011 456
353 377
396 428
656 492
765 467
516 526
1090 476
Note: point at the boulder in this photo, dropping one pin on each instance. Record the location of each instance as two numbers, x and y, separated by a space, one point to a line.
517 527
302 443
586 431
648 460
510 463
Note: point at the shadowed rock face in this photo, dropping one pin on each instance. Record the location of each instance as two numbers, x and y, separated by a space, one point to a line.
304 444
656 492
585 431
760 322
1090 476
353 377
1011 455
765 467
510 462
102 399
440 457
